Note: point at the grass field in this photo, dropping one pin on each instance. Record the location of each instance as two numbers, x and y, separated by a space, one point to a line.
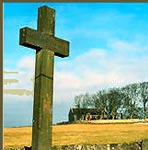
81 134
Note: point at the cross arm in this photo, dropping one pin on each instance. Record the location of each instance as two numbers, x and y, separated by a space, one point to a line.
38 40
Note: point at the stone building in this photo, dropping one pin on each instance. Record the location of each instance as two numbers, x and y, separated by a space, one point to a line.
77 114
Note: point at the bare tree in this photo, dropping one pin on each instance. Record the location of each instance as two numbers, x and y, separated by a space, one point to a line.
114 102
144 96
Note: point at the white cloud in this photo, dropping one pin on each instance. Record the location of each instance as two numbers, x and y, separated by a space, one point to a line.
27 63
91 71
25 69
9 98
118 65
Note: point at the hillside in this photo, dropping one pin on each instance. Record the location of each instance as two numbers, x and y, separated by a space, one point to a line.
81 134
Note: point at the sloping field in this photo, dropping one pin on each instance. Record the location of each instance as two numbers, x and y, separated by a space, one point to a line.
81 134
117 121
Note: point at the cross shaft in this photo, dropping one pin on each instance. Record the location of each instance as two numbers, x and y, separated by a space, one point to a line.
46 45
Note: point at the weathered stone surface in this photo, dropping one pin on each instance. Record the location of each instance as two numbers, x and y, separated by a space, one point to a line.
145 145
42 113
131 146
47 46
38 40
46 20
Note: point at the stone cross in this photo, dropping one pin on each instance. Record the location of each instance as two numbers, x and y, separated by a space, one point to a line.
46 46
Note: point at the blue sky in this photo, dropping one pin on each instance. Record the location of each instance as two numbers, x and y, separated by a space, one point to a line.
108 48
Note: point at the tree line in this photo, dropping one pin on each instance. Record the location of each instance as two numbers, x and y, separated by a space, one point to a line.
128 102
